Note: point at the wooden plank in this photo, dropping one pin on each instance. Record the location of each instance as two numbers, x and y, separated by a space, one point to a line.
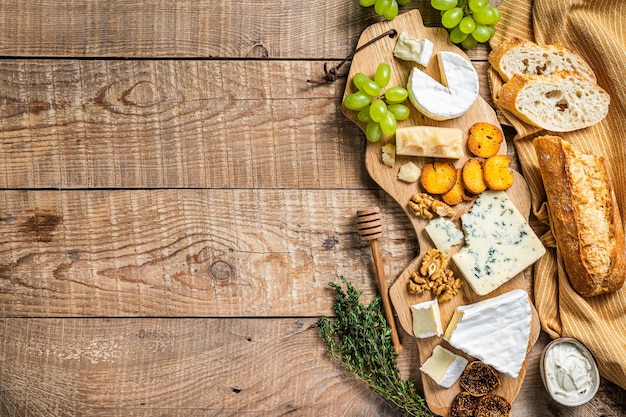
188 252
208 367
188 28
176 124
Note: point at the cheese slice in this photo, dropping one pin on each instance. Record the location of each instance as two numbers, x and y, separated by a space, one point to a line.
444 367
495 331
499 243
416 50
444 234
436 142
426 319
453 96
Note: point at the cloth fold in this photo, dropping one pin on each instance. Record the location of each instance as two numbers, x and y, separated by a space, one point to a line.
596 30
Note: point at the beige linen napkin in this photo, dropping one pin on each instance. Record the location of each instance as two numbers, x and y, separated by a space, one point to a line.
596 29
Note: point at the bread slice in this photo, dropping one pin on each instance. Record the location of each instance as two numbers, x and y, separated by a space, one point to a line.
560 102
584 215
517 56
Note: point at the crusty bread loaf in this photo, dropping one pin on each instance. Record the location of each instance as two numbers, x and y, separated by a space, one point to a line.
517 56
584 216
560 102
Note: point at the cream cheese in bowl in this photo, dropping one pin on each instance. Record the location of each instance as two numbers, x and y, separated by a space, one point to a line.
569 372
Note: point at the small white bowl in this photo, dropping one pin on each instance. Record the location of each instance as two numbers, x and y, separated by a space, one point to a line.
595 375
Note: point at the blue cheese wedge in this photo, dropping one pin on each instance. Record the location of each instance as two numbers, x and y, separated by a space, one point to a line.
444 367
444 234
426 319
495 331
453 96
499 243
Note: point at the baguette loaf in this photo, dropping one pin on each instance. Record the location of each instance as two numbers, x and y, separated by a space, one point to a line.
517 56
560 102
585 219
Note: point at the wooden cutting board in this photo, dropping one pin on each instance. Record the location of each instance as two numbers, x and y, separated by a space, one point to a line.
366 61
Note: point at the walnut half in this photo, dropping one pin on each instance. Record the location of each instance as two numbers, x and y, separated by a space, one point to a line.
434 275
426 206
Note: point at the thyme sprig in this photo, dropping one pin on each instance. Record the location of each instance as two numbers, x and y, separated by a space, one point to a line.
360 338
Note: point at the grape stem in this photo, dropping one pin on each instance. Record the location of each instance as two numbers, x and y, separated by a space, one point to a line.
332 74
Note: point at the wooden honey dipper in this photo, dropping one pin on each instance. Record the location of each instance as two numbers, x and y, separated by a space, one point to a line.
370 225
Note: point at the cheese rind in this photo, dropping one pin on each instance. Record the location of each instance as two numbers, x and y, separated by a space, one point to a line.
495 331
499 243
453 96
436 142
443 233
416 50
426 319
444 367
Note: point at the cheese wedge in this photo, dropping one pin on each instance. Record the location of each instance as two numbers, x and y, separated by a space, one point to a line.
426 319
444 234
495 331
416 50
444 367
453 96
436 142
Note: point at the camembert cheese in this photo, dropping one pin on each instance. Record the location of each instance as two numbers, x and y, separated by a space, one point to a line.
499 243
426 319
495 331
416 50
444 367
436 142
453 96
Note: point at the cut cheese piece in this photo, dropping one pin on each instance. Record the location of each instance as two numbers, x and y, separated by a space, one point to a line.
453 96
436 142
409 172
416 50
444 234
389 154
495 331
426 319
499 243
444 367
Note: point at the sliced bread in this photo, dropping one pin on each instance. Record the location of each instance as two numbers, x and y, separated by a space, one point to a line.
517 56
560 102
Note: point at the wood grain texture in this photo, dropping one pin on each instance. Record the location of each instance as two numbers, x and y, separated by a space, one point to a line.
187 28
188 252
175 124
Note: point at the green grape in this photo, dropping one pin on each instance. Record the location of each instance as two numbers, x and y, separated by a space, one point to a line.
469 43
492 31
371 88
456 36
452 17
396 95
358 100
496 11
358 80
367 3
487 16
481 33
400 111
403 2
378 110
388 124
443 4
364 114
381 6
383 74
392 11
467 24
476 5
373 132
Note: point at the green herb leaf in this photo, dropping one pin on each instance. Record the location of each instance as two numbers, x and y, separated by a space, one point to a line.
360 338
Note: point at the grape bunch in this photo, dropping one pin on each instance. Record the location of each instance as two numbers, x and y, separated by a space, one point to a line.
385 8
469 22
381 112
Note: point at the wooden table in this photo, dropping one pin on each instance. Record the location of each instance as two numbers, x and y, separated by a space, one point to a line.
175 200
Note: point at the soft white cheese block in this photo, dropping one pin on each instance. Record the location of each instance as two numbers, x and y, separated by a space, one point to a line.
436 142
443 233
417 50
426 319
444 367
495 330
453 96
499 243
